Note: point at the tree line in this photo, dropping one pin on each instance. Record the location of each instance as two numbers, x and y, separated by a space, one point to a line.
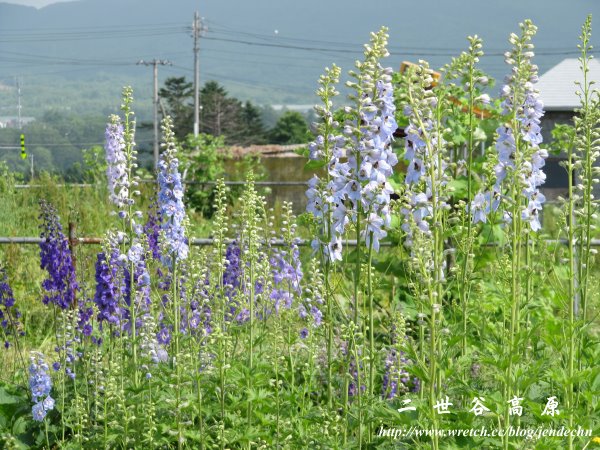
239 123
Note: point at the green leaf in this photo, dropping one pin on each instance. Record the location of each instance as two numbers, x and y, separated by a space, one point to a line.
460 187
479 135
315 164
20 426
8 399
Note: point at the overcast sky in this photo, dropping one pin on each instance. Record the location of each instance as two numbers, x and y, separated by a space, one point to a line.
241 49
36 3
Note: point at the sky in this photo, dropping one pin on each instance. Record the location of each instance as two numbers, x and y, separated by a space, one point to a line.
36 3
84 39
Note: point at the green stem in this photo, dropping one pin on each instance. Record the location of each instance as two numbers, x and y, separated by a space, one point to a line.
176 361
329 336
572 293
46 432
371 320
464 289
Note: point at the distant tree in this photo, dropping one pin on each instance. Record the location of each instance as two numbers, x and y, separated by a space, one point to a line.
178 94
291 128
252 130
221 115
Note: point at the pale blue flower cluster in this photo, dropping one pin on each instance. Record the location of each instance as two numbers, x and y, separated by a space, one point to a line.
359 185
426 169
118 182
170 199
358 157
40 384
136 256
530 162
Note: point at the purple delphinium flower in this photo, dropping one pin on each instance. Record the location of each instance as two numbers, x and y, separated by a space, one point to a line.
40 385
117 175
396 378
152 230
287 276
196 315
353 385
233 276
170 200
107 289
86 313
9 314
137 258
164 336
61 285
233 271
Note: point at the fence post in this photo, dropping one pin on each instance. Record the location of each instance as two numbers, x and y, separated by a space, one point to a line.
73 241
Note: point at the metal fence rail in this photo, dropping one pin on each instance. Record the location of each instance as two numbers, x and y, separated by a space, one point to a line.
199 242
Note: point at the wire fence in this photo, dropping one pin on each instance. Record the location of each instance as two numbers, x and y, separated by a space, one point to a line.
199 242
76 240
199 183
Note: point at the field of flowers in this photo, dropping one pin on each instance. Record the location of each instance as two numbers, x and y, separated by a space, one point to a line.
434 306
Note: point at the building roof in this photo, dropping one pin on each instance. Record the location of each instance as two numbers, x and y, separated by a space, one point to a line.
557 86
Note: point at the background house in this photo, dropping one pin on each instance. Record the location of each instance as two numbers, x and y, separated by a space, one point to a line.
558 91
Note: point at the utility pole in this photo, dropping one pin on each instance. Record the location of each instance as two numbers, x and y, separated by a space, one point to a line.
155 63
19 120
198 29
196 35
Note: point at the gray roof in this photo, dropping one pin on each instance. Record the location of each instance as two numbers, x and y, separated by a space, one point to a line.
557 86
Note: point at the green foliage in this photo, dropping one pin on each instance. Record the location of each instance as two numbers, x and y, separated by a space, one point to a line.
274 378
204 161
563 139
94 165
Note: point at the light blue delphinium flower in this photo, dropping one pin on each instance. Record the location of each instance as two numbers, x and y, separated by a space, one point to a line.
480 207
523 121
358 187
40 385
170 199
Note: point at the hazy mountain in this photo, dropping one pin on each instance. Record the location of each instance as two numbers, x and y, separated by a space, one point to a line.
79 54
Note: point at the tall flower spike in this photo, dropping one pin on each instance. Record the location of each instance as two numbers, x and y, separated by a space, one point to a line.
327 148
358 186
56 259
9 314
116 171
523 109
170 199
426 175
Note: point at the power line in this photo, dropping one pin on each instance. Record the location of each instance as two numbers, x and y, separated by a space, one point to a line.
87 35
78 144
